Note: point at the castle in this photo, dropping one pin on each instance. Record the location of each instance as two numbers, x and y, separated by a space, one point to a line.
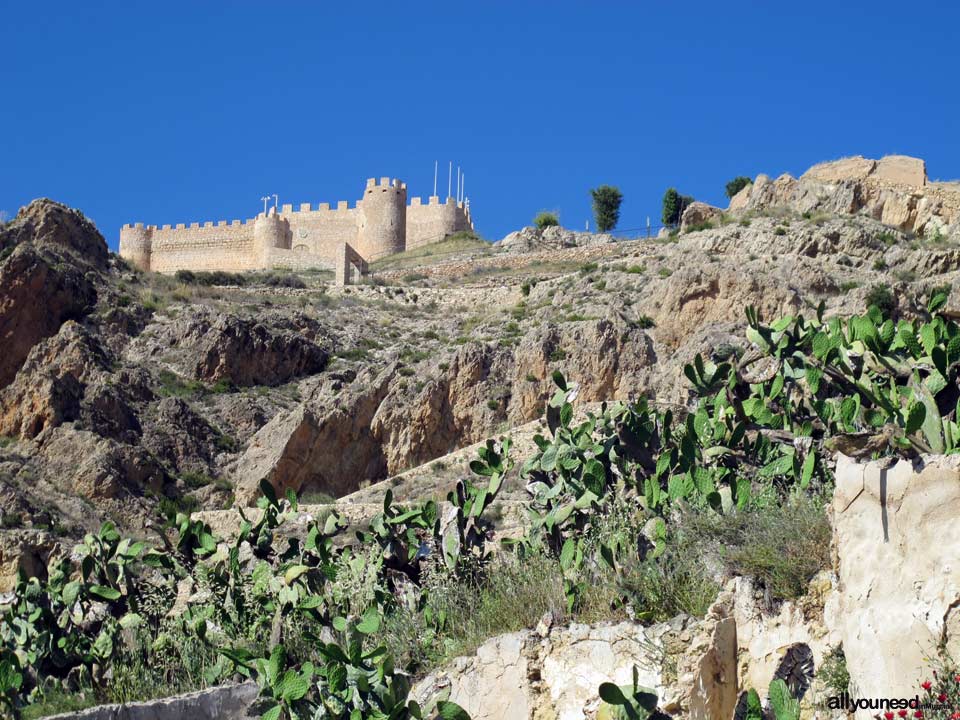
343 238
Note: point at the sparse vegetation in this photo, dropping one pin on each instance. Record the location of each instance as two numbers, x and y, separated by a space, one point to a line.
881 297
736 185
546 219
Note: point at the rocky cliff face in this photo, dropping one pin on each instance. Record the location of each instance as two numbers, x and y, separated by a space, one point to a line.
138 391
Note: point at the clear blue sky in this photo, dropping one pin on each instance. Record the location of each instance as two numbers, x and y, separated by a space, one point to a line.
166 112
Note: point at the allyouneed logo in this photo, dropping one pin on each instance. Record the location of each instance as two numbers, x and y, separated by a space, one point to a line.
903 706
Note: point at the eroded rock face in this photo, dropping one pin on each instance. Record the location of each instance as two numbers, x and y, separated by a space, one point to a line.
227 702
50 387
98 468
897 541
248 353
37 295
894 190
45 223
609 358
23 550
327 448
180 436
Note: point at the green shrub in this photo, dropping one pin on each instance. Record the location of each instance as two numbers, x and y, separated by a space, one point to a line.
172 385
557 354
833 672
881 297
288 281
780 231
736 185
546 219
645 322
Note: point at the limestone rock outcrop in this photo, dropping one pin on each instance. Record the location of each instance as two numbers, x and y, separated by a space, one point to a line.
50 387
894 190
610 359
524 676
37 295
698 214
326 448
897 541
48 224
554 237
249 353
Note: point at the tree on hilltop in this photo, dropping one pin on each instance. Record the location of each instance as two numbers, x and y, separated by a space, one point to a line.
673 206
737 184
606 207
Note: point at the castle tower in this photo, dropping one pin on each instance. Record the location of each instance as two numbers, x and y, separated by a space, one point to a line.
136 245
383 219
269 231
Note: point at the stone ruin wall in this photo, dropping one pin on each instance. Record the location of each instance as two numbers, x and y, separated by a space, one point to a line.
309 237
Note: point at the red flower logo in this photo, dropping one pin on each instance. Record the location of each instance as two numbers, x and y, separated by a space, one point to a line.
888 715
942 697
926 685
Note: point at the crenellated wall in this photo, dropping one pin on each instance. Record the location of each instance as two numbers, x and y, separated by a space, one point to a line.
379 224
432 222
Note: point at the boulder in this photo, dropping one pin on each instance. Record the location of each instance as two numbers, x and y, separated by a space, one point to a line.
529 239
50 387
48 224
330 448
698 214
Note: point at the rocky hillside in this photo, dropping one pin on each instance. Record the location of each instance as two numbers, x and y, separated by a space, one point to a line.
126 396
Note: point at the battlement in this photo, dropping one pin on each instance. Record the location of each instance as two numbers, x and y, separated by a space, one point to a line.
379 223
384 184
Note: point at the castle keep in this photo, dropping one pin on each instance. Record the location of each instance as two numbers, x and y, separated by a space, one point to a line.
381 223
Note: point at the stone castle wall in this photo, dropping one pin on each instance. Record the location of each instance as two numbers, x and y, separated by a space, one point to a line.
432 222
379 224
